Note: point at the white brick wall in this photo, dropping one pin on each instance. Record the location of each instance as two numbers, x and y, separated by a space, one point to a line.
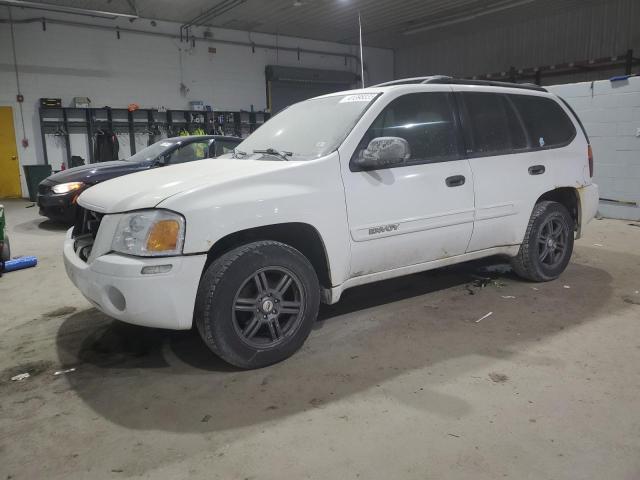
610 112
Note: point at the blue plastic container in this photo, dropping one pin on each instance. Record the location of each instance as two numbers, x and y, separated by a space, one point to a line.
19 263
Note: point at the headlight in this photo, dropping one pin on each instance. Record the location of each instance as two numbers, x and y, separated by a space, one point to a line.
67 187
149 233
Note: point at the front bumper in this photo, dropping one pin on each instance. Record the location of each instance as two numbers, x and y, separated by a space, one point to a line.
114 284
58 207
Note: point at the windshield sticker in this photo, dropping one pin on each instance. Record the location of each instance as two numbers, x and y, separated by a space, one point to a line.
361 97
320 144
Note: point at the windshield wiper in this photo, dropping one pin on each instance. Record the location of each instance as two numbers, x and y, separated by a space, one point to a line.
272 151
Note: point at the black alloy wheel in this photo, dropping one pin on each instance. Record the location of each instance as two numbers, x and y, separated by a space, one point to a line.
257 303
548 243
552 242
268 307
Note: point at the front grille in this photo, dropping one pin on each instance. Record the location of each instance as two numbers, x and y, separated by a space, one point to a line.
44 189
87 223
85 230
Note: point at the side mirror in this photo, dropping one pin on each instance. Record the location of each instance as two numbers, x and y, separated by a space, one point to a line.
382 152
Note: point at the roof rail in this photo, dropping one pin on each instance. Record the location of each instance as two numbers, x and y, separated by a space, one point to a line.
445 80
414 80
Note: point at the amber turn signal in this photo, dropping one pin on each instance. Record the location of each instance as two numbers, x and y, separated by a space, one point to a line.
163 236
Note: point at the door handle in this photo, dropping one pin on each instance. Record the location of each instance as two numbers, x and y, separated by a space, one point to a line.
536 170
455 181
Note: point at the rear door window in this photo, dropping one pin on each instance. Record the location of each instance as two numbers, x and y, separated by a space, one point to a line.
546 122
517 134
489 127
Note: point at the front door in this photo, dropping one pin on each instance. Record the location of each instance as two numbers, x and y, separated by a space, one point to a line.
9 165
422 209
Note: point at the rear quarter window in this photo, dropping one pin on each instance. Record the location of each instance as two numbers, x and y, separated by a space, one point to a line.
546 122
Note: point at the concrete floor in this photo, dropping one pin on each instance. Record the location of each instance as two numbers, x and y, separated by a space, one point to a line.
397 381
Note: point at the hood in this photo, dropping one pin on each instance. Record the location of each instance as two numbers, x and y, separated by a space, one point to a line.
96 172
147 189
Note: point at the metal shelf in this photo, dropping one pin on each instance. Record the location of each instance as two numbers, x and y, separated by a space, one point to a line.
117 119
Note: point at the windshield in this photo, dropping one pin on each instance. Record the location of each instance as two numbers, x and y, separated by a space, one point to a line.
309 129
152 151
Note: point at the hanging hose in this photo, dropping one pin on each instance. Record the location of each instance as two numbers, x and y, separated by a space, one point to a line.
15 66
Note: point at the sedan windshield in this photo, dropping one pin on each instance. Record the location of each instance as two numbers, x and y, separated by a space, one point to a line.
152 151
307 130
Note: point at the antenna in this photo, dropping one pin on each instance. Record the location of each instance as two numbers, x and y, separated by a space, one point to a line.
361 56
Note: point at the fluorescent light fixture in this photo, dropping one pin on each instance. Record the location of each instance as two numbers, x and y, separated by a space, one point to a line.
63 9
453 21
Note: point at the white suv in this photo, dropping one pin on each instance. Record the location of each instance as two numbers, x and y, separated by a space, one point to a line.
337 191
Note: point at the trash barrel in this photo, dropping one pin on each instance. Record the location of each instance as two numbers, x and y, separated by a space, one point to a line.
34 174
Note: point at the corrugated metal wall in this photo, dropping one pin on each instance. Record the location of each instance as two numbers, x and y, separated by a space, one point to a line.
590 30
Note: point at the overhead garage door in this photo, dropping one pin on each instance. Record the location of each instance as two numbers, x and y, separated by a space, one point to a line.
288 85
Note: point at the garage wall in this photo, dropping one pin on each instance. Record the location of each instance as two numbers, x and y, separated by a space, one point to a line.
67 61
610 112
527 38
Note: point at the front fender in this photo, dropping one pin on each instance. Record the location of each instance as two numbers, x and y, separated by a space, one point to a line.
308 192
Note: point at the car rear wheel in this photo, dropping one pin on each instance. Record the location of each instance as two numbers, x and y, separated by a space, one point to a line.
548 243
256 304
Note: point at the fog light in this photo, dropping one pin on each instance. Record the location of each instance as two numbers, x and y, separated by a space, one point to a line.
116 298
153 269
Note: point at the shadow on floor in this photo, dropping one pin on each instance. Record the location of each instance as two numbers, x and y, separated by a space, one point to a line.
40 224
155 379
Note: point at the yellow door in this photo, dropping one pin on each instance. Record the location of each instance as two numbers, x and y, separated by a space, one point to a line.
9 165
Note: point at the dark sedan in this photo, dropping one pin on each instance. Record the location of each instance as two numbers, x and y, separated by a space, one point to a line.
57 194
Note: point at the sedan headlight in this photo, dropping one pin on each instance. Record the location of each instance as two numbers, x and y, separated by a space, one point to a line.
67 187
149 233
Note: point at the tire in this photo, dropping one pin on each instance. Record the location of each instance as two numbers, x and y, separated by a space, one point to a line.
256 304
548 243
5 254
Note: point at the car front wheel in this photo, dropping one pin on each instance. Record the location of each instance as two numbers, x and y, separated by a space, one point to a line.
256 304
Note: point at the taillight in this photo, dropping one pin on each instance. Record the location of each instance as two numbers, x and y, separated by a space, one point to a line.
590 155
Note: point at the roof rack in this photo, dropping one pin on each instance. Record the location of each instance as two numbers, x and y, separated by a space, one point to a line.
408 81
444 79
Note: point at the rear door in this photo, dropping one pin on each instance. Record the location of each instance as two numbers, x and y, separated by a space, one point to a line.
511 141
417 211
